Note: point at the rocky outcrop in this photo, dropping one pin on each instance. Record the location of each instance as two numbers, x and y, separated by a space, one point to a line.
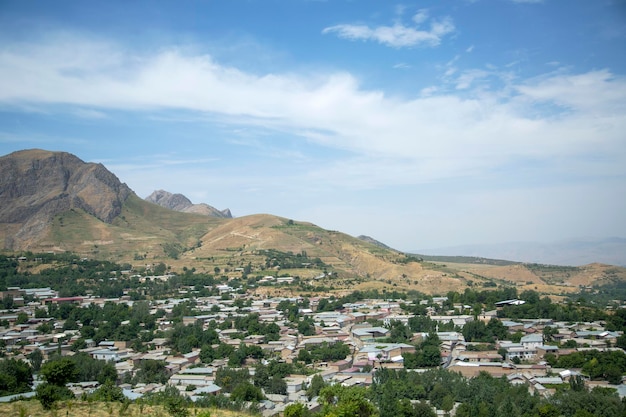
179 202
36 185
373 241
168 200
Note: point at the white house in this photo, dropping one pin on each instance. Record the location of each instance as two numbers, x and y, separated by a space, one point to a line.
531 341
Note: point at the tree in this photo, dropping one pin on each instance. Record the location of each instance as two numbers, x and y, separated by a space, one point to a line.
296 410
59 372
399 332
346 401
16 376
613 375
419 409
276 385
108 392
48 394
247 392
577 383
174 402
475 331
36 358
317 383
151 371
549 332
56 373
22 318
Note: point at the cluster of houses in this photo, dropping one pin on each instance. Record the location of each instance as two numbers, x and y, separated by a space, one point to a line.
520 362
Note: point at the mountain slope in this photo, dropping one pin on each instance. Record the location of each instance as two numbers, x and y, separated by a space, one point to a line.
36 185
53 201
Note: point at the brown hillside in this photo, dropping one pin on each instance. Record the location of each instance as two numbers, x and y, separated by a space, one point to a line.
53 201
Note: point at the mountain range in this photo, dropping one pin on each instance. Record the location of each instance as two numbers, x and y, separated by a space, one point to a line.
574 252
53 201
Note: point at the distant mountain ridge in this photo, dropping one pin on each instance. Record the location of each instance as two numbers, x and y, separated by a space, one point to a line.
179 202
55 202
574 252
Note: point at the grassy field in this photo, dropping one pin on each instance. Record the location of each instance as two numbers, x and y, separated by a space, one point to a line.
32 408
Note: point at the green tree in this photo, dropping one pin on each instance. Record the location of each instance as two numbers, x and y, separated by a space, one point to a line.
48 394
342 401
247 392
151 371
549 332
613 375
108 392
36 358
22 318
276 385
296 410
16 376
317 383
60 372
174 402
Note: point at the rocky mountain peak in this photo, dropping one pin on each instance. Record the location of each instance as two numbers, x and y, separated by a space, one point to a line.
168 200
36 185
179 202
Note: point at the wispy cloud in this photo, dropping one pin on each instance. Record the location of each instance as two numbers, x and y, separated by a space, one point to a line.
89 114
397 35
435 135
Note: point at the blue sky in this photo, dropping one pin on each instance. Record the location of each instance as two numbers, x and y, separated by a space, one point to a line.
422 124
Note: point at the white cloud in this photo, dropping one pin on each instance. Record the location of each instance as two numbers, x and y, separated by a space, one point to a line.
595 92
397 35
433 136
420 17
468 78
89 114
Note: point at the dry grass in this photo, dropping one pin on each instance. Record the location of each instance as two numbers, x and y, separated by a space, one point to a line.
32 408
148 232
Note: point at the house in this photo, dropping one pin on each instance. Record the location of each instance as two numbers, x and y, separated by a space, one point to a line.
198 371
488 315
106 354
489 356
513 302
519 351
63 300
513 326
403 318
294 383
471 370
516 379
386 351
190 379
369 333
210 389
543 349
531 341
341 365
458 320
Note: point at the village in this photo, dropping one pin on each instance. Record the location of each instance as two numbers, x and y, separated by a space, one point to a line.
365 328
